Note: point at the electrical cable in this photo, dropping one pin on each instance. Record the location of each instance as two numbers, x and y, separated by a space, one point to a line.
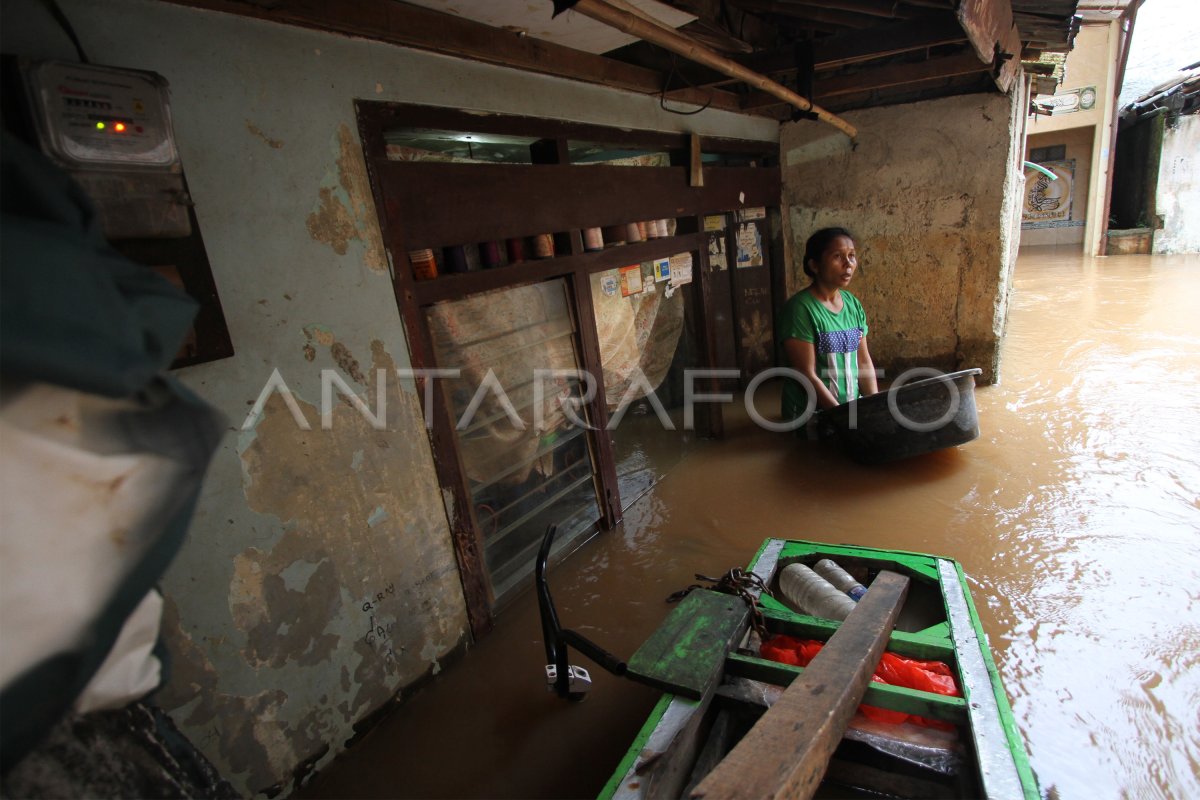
663 92
61 18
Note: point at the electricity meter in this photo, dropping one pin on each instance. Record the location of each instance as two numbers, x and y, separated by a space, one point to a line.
111 129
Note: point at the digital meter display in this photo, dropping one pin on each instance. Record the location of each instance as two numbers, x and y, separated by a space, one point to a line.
90 116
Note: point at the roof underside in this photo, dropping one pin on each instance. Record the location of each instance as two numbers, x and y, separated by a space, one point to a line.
840 54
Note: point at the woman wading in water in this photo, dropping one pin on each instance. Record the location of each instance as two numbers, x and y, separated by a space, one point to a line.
824 328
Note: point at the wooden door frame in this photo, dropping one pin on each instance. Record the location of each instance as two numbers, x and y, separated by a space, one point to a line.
571 197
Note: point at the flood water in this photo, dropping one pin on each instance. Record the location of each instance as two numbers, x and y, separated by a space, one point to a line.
1076 516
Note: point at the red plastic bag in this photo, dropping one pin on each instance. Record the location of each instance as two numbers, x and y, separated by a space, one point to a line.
928 676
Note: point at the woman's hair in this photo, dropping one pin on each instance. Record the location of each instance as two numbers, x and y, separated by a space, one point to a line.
815 247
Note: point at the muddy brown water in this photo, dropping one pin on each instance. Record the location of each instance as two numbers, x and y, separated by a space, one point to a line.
1076 516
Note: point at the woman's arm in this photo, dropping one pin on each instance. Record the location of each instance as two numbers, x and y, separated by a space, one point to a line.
867 381
802 356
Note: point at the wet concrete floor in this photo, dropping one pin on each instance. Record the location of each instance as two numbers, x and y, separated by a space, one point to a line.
1076 516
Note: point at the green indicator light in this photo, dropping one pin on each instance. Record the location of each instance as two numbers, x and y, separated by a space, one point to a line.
99 126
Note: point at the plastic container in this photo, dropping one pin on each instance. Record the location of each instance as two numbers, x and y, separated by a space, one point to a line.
828 569
812 594
489 255
614 235
424 265
593 239
543 245
516 250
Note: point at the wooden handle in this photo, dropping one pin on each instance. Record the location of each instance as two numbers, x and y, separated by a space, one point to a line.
785 754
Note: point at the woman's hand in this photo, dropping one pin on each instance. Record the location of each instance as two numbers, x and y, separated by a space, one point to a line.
867 381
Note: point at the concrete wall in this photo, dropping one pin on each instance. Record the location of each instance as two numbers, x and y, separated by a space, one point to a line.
1079 143
319 578
1178 197
931 192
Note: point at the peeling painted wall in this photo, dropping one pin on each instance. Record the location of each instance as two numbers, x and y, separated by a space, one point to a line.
930 193
1178 196
319 579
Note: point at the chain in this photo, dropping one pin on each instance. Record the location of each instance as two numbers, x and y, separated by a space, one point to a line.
736 582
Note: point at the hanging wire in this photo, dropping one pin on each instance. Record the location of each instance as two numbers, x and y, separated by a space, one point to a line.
662 94
61 18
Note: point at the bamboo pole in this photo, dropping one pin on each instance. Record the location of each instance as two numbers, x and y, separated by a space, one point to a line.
672 40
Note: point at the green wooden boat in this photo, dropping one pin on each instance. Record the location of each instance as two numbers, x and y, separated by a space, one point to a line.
733 724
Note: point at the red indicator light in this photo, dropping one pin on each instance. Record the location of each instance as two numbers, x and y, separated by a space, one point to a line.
119 127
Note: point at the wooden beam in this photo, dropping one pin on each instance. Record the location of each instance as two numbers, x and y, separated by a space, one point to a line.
900 75
887 77
859 46
421 28
875 8
457 286
992 32
449 204
785 754
809 13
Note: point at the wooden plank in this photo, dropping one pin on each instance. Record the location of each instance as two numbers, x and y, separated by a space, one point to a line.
893 76
895 698
695 165
753 318
858 46
664 763
604 463
711 417
687 652
718 316
991 31
888 9
786 752
811 14
1010 60
457 286
448 204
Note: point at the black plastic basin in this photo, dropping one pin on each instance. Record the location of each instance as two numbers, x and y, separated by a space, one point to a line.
915 418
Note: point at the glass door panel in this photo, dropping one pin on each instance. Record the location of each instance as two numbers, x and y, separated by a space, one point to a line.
646 346
527 462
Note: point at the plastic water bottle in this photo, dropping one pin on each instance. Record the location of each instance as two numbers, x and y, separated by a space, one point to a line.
844 581
812 594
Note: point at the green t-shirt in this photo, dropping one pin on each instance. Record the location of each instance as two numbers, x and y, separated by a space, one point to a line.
834 336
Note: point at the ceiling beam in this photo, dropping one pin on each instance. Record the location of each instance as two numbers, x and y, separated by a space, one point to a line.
875 8
809 13
859 46
887 77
